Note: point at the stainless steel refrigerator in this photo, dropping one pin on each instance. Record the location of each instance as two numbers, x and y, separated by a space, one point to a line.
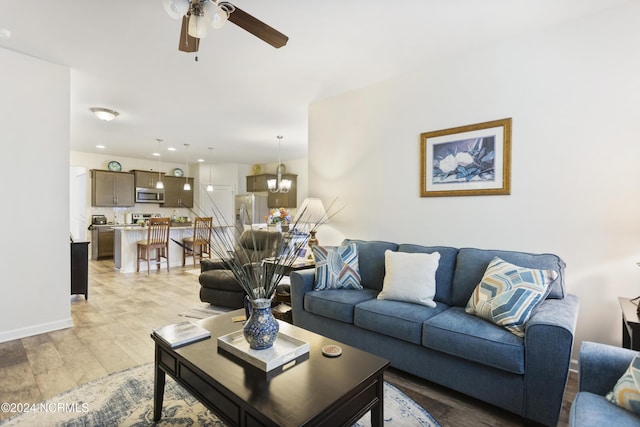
251 208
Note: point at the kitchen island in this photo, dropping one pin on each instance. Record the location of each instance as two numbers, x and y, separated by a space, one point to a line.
126 244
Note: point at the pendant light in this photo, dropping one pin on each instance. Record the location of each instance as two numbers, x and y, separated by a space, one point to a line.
279 185
210 185
187 186
159 183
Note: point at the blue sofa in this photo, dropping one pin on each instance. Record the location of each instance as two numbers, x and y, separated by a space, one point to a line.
445 345
600 367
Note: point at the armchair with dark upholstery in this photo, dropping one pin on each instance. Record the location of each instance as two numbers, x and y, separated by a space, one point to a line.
218 284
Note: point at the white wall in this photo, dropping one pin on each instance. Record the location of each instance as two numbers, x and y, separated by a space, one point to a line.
34 135
572 92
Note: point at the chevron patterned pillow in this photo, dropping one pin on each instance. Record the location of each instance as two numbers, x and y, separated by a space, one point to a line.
337 268
508 294
625 393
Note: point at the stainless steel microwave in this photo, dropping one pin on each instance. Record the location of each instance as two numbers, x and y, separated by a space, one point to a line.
149 195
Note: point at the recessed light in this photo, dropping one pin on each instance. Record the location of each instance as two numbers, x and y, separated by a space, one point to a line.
201 160
171 149
4 33
102 147
155 154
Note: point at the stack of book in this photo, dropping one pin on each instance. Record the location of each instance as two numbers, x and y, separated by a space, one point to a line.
179 334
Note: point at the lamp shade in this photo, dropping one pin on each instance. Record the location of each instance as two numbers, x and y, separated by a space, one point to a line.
198 26
176 8
311 211
216 15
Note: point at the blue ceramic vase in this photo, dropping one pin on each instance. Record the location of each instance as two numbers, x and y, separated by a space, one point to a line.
261 329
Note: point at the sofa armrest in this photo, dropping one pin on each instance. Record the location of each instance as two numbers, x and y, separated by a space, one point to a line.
548 345
301 282
601 365
209 264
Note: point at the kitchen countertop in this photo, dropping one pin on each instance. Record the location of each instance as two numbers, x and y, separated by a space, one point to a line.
139 227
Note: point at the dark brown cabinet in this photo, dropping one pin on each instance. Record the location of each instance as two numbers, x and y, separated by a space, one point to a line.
174 194
258 184
147 179
110 189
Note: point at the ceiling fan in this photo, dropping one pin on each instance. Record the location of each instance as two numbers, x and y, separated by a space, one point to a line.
199 15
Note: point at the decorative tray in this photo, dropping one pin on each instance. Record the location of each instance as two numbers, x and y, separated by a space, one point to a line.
285 349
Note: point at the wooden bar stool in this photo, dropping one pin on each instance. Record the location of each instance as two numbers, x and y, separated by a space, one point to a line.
158 239
200 243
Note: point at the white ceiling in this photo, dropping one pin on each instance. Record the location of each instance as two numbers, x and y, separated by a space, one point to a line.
242 92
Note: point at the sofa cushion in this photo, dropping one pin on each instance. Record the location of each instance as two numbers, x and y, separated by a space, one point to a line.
472 263
336 268
410 277
460 334
508 294
446 267
371 261
397 319
626 393
590 409
337 304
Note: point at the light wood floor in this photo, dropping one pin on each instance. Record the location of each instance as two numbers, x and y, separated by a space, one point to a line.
111 333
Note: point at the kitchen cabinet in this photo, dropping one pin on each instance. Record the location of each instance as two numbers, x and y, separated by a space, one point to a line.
147 179
102 242
110 189
174 194
258 184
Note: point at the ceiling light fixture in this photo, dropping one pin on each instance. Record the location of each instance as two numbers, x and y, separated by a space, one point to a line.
279 185
187 186
176 8
201 13
210 185
104 113
159 183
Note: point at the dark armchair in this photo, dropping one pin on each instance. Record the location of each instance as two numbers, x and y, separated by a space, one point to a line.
218 284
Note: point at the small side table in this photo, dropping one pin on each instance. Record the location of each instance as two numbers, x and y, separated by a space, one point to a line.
281 307
630 324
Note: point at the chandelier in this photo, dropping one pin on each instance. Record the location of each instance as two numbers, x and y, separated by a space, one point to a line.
279 185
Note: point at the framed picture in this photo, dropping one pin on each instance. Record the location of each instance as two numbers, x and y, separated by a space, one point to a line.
472 160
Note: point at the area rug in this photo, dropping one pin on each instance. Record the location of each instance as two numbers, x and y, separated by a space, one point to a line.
203 311
126 399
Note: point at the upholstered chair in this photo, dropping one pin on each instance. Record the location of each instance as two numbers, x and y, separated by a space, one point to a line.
600 366
218 284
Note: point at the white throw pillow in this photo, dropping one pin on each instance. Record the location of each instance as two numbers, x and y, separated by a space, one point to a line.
410 277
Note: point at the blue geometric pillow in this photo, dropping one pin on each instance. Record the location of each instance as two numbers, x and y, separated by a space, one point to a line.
508 294
625 393
337 268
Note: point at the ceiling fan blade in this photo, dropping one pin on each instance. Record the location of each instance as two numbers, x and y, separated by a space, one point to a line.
186 42
256 27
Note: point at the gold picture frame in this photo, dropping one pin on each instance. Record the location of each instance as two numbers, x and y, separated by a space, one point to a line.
471 160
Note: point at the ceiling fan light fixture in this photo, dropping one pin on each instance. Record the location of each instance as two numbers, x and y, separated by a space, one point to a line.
176 8
198 26
215 14
104 114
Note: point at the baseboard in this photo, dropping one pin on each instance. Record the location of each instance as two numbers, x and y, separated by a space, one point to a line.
35 330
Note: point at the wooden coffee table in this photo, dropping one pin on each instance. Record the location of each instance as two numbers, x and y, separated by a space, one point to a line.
317 390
